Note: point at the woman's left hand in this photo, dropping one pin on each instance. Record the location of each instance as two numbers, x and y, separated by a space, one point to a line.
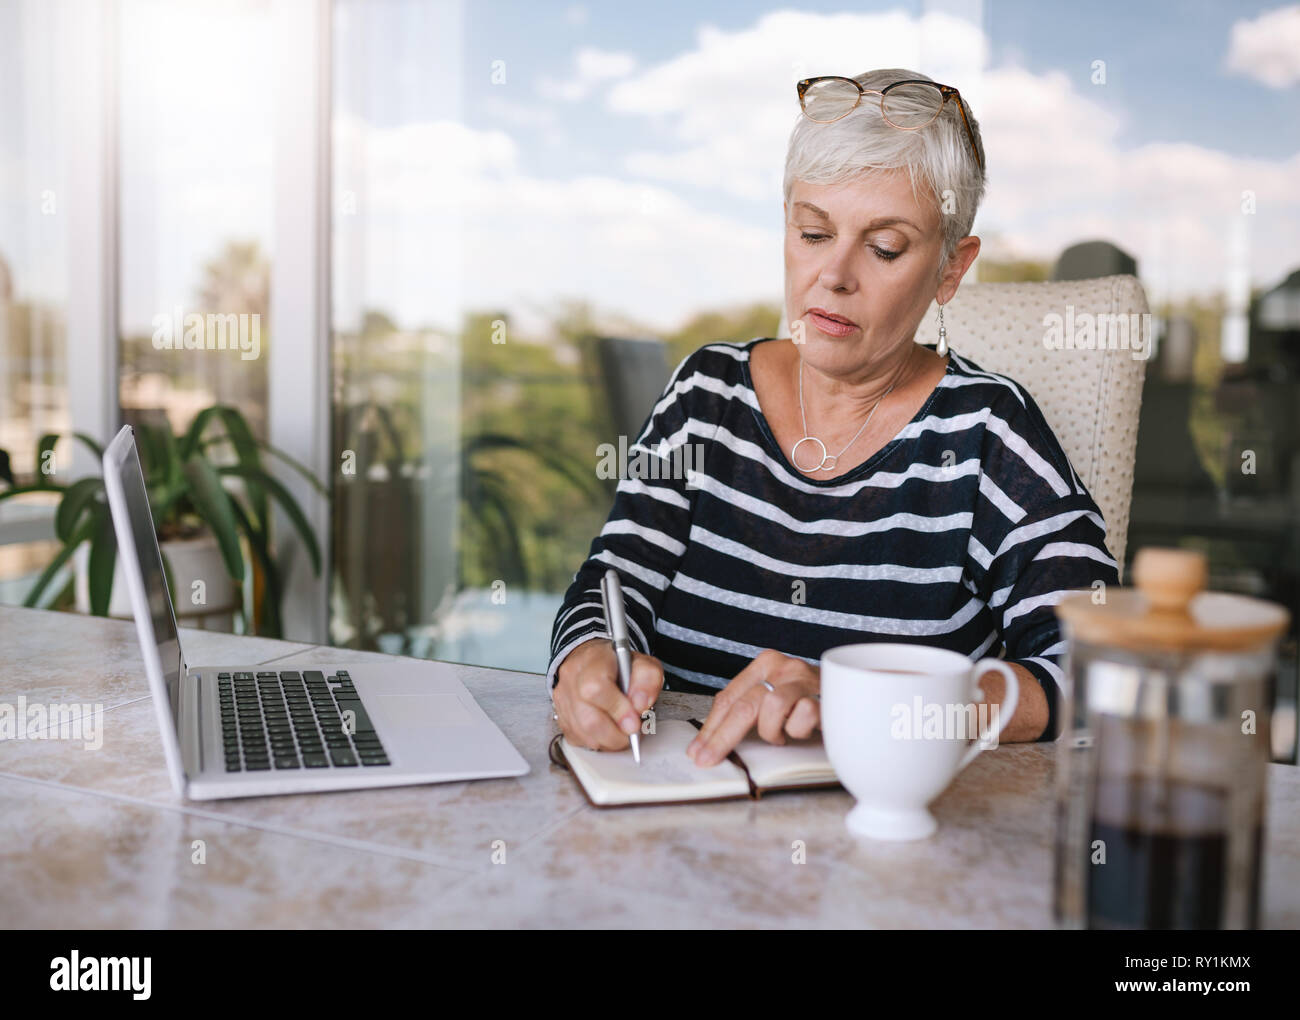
792 708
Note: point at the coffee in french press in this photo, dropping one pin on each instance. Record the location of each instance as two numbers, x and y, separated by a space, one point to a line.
1162 766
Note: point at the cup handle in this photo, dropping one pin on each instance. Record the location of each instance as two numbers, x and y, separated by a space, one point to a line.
1005 711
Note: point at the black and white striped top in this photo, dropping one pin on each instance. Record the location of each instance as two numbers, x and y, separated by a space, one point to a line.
962 532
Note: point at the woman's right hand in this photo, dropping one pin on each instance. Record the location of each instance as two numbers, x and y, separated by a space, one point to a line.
592 711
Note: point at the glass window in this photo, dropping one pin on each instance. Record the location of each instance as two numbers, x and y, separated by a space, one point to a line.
539 210
33 277
195 207
466 433
1132 160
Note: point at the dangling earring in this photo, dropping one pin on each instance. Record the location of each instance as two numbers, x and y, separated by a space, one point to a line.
942 348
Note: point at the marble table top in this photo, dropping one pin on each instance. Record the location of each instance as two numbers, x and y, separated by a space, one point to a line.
98 839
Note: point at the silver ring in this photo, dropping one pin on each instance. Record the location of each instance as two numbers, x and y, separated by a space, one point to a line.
768 686
821 464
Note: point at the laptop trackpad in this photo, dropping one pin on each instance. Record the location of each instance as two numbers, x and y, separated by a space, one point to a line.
420 711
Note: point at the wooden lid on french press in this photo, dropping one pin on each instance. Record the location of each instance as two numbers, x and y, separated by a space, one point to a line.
1169 610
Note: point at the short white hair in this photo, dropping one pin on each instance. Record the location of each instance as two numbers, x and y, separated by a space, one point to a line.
862 144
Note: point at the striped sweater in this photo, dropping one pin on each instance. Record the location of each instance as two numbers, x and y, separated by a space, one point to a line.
962 532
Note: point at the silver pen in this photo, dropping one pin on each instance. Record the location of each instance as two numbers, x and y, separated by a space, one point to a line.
611 595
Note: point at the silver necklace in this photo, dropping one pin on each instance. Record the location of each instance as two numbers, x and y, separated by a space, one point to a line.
828 461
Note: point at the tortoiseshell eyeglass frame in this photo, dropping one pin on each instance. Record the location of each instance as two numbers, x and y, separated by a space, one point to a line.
946 92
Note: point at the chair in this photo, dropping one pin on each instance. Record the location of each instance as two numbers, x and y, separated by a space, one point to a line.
1089 397
633 375
1093 259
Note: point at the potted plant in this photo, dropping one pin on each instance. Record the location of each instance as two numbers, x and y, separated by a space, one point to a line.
211 497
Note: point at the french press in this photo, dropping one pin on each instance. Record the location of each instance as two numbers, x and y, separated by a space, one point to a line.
1164 750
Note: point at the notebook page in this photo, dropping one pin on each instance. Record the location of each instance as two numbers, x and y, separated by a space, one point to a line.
665 773
795 761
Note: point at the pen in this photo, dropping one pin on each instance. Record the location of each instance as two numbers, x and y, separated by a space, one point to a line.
611 594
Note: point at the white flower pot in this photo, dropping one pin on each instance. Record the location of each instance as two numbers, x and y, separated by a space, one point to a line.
207 604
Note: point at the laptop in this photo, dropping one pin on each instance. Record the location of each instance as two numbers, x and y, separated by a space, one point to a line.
250 731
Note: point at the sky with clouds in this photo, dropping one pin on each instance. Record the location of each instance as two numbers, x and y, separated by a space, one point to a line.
513 155
634 159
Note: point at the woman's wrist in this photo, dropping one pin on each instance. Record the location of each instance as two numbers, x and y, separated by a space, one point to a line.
573 659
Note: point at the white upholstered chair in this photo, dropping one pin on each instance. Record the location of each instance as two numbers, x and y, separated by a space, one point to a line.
1090 398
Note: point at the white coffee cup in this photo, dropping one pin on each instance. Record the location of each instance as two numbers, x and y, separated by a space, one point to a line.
880 731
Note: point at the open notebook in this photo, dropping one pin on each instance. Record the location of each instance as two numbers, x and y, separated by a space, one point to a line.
667 776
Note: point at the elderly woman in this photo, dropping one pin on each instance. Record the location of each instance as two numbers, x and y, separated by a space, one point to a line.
855 485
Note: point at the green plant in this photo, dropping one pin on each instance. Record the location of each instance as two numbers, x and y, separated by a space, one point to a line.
194 480
496 509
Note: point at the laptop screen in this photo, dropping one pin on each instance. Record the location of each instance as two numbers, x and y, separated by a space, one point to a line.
151 571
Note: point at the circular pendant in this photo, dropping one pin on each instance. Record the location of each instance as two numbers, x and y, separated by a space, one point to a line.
821 463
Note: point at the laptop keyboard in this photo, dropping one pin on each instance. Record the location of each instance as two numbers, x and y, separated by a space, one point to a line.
293 720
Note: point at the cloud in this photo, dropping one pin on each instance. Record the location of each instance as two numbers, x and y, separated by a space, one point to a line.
1267 49
541 120
449 220
1059 171
593 67
729 103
